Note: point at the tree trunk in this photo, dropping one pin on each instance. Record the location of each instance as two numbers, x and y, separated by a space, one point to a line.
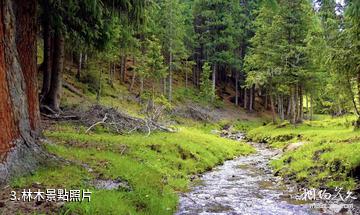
297 103
170 77
352 94
311 107
84 63
307 107
272 107
19 115
237 88
98 94
301 104
293 106
186 78
52 99
111 74
78 75
288 111
251 100
245 98
133 77
47 51
282 117
132 81
122 68
213 83
141 86
266 101
357 122
164 86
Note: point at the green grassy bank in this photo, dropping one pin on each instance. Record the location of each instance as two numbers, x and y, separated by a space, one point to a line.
157 167
327 151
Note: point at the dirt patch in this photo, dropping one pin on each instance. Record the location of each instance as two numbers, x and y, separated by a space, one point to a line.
185 154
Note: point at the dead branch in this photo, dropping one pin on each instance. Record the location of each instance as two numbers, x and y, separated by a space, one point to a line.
72 89
58 117
97 123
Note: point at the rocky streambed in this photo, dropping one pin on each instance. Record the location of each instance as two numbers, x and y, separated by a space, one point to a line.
245 185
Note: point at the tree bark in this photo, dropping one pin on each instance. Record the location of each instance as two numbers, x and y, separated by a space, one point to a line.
282 117
47 50
311 107
251 100
237 88
245 98
301 104
296 103
213 83
307 106
288 111
19 115
164 86
266 101
293 106
122 68
186 78
98 94
272 107
170 77
78 74
52 99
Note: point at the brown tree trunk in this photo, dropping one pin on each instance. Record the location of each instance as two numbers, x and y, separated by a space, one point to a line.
19 115
251 100
301 104
311 107
282 117
164 86
245 98
78 74
47 51
98 94
186 78
213 83
296 102
266 101
52 99
293 106
236 88
170 77
272 107
288 111
123 69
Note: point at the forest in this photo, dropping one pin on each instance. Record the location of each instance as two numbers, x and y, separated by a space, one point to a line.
180 107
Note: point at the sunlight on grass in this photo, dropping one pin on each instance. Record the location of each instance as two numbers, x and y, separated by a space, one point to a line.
156 167
329 155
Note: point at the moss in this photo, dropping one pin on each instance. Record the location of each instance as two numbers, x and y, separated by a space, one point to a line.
329 156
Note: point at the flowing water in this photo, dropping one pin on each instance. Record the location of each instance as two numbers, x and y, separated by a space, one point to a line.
244 185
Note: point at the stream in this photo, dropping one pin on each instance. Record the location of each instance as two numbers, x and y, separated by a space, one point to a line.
244 185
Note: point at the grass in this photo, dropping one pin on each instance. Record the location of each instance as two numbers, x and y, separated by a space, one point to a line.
328 157
156 167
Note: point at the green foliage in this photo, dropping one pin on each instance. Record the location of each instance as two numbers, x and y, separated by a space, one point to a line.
206 89
151 61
